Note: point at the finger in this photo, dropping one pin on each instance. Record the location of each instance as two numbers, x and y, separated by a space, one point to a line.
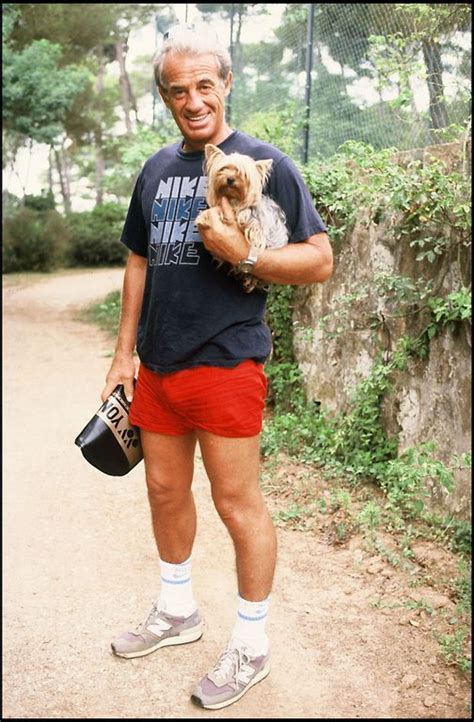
128 389
107 391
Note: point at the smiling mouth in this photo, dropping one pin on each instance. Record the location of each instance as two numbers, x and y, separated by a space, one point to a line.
198 118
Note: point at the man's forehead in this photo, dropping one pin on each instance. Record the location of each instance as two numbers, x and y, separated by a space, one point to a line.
181 67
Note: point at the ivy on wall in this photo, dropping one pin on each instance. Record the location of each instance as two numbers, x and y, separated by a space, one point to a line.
427 209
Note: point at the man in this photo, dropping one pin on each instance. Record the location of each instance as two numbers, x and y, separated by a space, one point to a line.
202 342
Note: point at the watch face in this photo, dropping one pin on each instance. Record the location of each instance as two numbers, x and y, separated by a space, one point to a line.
246 266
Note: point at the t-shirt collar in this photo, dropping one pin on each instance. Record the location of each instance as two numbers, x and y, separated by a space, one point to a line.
198 154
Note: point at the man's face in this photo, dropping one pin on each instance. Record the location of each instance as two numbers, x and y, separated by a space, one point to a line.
195 94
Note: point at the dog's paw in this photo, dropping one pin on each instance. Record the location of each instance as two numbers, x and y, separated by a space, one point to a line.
202 220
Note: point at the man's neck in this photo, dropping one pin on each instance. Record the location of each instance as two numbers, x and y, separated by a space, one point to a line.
191 147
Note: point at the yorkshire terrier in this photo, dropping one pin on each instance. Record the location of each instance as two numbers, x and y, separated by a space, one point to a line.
241 180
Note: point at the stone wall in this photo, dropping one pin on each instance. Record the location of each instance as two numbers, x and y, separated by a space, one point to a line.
431 399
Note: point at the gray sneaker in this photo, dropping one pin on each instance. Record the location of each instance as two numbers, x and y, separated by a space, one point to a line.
234 674
158 630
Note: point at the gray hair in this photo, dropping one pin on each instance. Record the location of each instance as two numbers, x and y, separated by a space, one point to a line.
191 40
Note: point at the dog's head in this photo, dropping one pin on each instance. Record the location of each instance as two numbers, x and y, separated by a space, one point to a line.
238 177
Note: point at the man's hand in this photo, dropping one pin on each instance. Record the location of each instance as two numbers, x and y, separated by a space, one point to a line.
122 371
221 233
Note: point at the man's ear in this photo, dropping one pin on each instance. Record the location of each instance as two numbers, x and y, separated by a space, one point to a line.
163 95
228 84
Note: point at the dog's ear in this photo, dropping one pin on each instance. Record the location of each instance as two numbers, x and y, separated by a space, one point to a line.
210 151
264 167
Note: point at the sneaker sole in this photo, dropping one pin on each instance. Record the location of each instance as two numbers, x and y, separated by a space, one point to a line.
264 672
191 635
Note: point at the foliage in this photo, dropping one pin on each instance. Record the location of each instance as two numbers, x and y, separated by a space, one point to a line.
278 126
452 649
94 236
448 310
418 205
425 204
37 91
33 240
285 378
43 202
126 155
106 314
80 28
404 479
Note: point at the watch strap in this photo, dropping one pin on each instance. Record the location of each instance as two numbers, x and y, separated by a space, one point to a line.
248 263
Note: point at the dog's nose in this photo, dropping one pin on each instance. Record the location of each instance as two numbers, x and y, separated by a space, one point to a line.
230 181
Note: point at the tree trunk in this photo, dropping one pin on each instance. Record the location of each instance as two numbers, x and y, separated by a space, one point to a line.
434 70
64 179
99 155
128 99
50 170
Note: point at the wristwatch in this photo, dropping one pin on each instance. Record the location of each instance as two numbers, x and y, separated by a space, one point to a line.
246 265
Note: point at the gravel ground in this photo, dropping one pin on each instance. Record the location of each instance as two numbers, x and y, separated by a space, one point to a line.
80 566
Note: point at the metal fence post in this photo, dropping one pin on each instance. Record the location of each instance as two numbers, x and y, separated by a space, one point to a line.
231 51
309 67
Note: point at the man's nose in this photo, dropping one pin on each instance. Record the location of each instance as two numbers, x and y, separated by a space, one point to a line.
194 99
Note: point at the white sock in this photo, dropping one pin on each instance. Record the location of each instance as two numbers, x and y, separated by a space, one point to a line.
249 630
176 594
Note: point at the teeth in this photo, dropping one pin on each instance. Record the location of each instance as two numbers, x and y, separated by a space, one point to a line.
199 117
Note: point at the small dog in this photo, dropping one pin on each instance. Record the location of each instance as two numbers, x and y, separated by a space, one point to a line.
241 179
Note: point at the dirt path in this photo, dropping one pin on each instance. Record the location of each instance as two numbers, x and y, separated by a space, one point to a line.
80 565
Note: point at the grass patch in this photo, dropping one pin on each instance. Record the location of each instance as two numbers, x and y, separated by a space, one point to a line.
106 314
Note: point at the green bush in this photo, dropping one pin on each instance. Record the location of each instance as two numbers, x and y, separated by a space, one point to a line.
95 236
34 240
43 202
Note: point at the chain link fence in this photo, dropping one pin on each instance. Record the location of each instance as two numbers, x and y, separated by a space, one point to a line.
311 76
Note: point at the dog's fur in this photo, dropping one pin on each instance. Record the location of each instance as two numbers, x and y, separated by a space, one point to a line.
241 179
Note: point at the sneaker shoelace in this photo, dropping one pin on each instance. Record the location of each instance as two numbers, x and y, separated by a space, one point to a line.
228 667
150 618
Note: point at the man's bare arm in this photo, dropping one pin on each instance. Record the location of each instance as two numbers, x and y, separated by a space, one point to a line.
310 261
122 370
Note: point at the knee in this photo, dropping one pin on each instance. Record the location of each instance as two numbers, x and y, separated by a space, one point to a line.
162 491
236 511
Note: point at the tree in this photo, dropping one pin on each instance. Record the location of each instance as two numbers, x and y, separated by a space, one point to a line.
95 35
346 29
37 92
236 14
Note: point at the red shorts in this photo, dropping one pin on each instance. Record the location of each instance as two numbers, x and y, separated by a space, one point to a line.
225 401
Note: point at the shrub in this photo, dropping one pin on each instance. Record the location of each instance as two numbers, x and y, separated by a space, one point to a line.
43 202
95 236
33 240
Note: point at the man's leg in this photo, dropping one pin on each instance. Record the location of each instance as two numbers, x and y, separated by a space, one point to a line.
169 464
174 618
233 465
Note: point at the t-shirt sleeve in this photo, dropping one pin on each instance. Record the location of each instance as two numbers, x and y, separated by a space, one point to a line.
134 234
287 187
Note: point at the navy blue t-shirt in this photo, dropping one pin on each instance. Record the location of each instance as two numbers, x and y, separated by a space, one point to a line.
193 313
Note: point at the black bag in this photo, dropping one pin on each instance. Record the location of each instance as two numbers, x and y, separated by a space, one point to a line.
109 442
